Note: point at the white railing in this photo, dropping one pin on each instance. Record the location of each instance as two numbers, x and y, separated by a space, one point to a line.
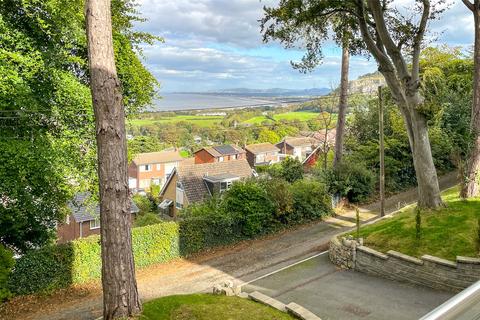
463 306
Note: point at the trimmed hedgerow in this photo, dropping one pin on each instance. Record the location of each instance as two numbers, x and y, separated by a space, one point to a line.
6 265
247 210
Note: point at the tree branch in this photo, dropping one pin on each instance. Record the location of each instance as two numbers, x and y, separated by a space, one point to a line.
418 41
384 34
469 5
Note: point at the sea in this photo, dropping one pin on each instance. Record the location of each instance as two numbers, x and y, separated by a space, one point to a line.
197 101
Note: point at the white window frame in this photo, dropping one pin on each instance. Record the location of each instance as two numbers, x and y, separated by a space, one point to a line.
159 166
228 185
145 168
221 159
96 224
179 195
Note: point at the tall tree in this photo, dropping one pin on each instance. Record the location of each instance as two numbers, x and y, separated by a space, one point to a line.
47 136
470 186
120 294
390 38
342 106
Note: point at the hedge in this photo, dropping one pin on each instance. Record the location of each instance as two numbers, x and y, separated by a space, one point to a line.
59 266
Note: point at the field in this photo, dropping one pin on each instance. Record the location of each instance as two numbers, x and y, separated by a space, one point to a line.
208 121
446 233
202 121
209 307
289 116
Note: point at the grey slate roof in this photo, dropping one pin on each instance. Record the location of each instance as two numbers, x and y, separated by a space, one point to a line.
85 210
191 176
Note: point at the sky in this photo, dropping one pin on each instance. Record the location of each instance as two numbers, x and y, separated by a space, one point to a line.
216 44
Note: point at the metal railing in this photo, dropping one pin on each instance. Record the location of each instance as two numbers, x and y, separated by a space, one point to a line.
463 306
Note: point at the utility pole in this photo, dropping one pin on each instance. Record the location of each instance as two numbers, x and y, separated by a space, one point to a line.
382 152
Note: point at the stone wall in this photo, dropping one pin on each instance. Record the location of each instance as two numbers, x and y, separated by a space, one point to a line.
428 271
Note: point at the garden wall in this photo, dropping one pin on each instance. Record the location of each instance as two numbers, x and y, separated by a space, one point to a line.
428 271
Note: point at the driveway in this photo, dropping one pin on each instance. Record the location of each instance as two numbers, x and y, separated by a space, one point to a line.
336 294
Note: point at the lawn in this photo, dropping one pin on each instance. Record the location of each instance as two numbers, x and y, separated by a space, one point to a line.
446 233
289 116
202 121
209 307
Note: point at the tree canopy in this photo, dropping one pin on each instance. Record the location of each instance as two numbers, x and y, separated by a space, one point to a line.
46 117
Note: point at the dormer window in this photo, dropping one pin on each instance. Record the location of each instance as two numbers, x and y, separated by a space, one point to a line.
220 183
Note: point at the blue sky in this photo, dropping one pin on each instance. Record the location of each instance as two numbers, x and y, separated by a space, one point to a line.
216 44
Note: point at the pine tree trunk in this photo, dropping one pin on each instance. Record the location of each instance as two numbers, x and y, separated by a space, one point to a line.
470 187
342 107
120 295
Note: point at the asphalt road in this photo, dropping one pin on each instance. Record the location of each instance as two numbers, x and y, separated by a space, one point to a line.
336 294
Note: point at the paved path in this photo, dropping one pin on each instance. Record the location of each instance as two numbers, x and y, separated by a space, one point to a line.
336 294
243 262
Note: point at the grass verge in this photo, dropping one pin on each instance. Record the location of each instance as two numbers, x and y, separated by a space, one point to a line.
209 307
446 233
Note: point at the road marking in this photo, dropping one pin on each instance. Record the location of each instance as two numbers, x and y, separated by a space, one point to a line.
286 267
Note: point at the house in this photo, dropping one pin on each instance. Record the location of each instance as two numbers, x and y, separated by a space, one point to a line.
197 182
84 219
219 154
262 154
326 138
297 147
152 168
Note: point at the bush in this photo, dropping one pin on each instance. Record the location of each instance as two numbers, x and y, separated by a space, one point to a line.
147 219
6 265
248 202
43 270
281 196
351 180
291 170
310 200
143 203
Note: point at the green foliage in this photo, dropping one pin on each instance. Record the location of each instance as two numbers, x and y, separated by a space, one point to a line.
6 265
290 169
209 307
47 132
418 223
147 219
143 203
43 270
267 135
249 204
352 180
310 200
281 195
446 233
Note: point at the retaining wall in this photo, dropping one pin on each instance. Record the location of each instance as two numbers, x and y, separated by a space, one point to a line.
428 271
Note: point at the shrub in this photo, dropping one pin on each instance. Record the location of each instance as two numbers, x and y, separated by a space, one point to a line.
281 196
248 202
43 270
143 203
291 170
147 219
351 180
6 265
310 200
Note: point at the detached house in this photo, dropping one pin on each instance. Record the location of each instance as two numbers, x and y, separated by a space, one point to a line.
300 148
262 154
219 154
84 219
198 182
152 168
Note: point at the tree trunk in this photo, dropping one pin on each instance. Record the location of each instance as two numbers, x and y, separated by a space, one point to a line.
120 295
470 186
342 107
426 174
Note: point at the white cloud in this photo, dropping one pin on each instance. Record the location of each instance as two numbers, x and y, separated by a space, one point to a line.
217 44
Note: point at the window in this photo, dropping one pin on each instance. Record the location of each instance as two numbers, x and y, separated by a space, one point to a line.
224 186
146 168
159 166
221 159
235 156
95 224
179 196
